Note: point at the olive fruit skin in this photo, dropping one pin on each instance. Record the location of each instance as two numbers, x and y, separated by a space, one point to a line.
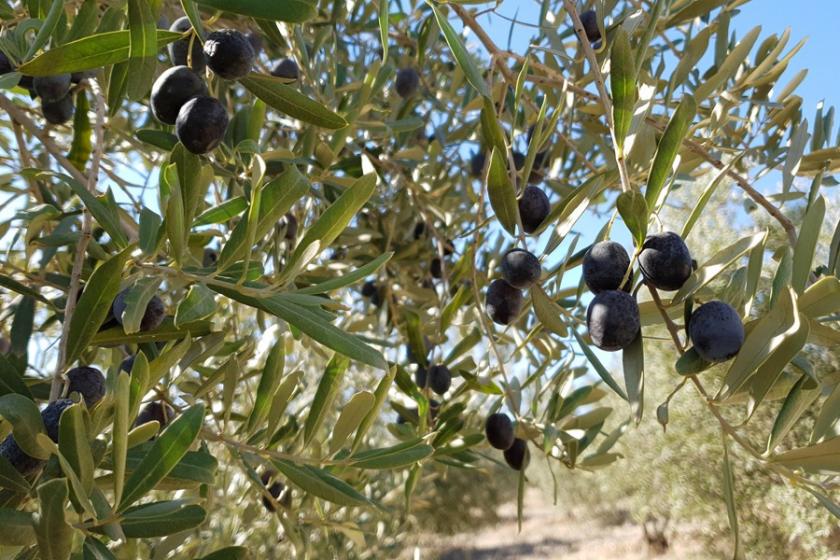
172 89
59 112
255 40
499 431
589 19
369 289
503 302
88 382
291 224
5 64
152 318
665 261
275 490
52 88
518 160
229 54
448 248
440 379
520 268
517 455
23 463
613 320
407 82
128 364
436 268
201 124
286 68
477 162
210 257
179 49
716 331
421 377
604 266
533 208
156 410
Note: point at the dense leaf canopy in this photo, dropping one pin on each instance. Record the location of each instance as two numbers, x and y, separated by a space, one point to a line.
301 291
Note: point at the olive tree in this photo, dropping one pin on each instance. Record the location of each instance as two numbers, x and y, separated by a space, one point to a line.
328 256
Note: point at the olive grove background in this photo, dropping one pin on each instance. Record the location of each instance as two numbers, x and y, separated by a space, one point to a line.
273 360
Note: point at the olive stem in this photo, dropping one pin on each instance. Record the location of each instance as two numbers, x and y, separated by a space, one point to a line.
669 323
480 308
57 383
602 91
724 424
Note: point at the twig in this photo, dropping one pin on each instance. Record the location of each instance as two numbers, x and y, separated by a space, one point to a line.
26 161
602 91
482 317
744 183
488 43
669 323
724 424
496 55
18 115
81 247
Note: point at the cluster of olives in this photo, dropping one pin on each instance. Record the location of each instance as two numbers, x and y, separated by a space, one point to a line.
504 299
499 427
55 92
520 270
89 383
180 96
374 292
665 262
500 434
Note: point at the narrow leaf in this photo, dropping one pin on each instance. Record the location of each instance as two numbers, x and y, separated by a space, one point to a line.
292 11
599 367
623 85
350 418
668 148
459 51
93 51
502 193
324 396
163 455
321 484
289 100
94 305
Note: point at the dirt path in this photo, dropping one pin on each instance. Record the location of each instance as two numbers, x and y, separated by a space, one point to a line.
549 532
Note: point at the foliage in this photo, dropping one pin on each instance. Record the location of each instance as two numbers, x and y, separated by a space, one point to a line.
335 241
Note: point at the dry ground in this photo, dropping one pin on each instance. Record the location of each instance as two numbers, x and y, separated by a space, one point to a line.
548 532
